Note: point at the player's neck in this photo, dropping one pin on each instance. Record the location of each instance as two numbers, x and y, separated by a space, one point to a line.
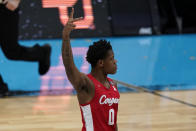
99 75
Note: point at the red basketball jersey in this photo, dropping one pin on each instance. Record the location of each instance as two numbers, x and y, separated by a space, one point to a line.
100 114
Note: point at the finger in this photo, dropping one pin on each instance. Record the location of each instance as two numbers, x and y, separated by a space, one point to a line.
70 22
72 13
77 19
73 25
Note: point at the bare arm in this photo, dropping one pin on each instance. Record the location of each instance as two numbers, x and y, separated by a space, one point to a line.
71 70
77 79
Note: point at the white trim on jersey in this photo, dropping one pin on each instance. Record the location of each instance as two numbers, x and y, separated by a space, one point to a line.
86 111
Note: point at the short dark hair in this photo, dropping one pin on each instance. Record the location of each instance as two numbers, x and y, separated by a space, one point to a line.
98 50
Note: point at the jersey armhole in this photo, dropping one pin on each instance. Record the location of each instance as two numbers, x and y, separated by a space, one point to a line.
93 96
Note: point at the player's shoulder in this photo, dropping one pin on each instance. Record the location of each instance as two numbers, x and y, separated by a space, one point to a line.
86 80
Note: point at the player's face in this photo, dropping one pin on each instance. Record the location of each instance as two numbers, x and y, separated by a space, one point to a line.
109 63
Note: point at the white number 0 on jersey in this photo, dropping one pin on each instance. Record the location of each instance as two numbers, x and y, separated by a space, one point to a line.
111 117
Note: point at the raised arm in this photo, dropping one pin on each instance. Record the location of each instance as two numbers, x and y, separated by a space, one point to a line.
77 79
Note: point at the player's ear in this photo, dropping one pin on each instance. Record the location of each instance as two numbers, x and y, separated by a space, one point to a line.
100 63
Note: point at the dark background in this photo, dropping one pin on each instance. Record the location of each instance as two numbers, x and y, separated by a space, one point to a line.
112 18
128 16
38 23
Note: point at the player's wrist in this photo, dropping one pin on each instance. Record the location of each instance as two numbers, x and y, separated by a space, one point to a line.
65 36
66 32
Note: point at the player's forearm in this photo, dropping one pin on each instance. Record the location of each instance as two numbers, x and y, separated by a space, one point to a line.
67 54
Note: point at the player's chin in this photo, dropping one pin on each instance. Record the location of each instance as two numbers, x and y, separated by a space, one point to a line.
113 71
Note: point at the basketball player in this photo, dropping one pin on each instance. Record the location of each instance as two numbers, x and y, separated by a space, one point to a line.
97 94
9 19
